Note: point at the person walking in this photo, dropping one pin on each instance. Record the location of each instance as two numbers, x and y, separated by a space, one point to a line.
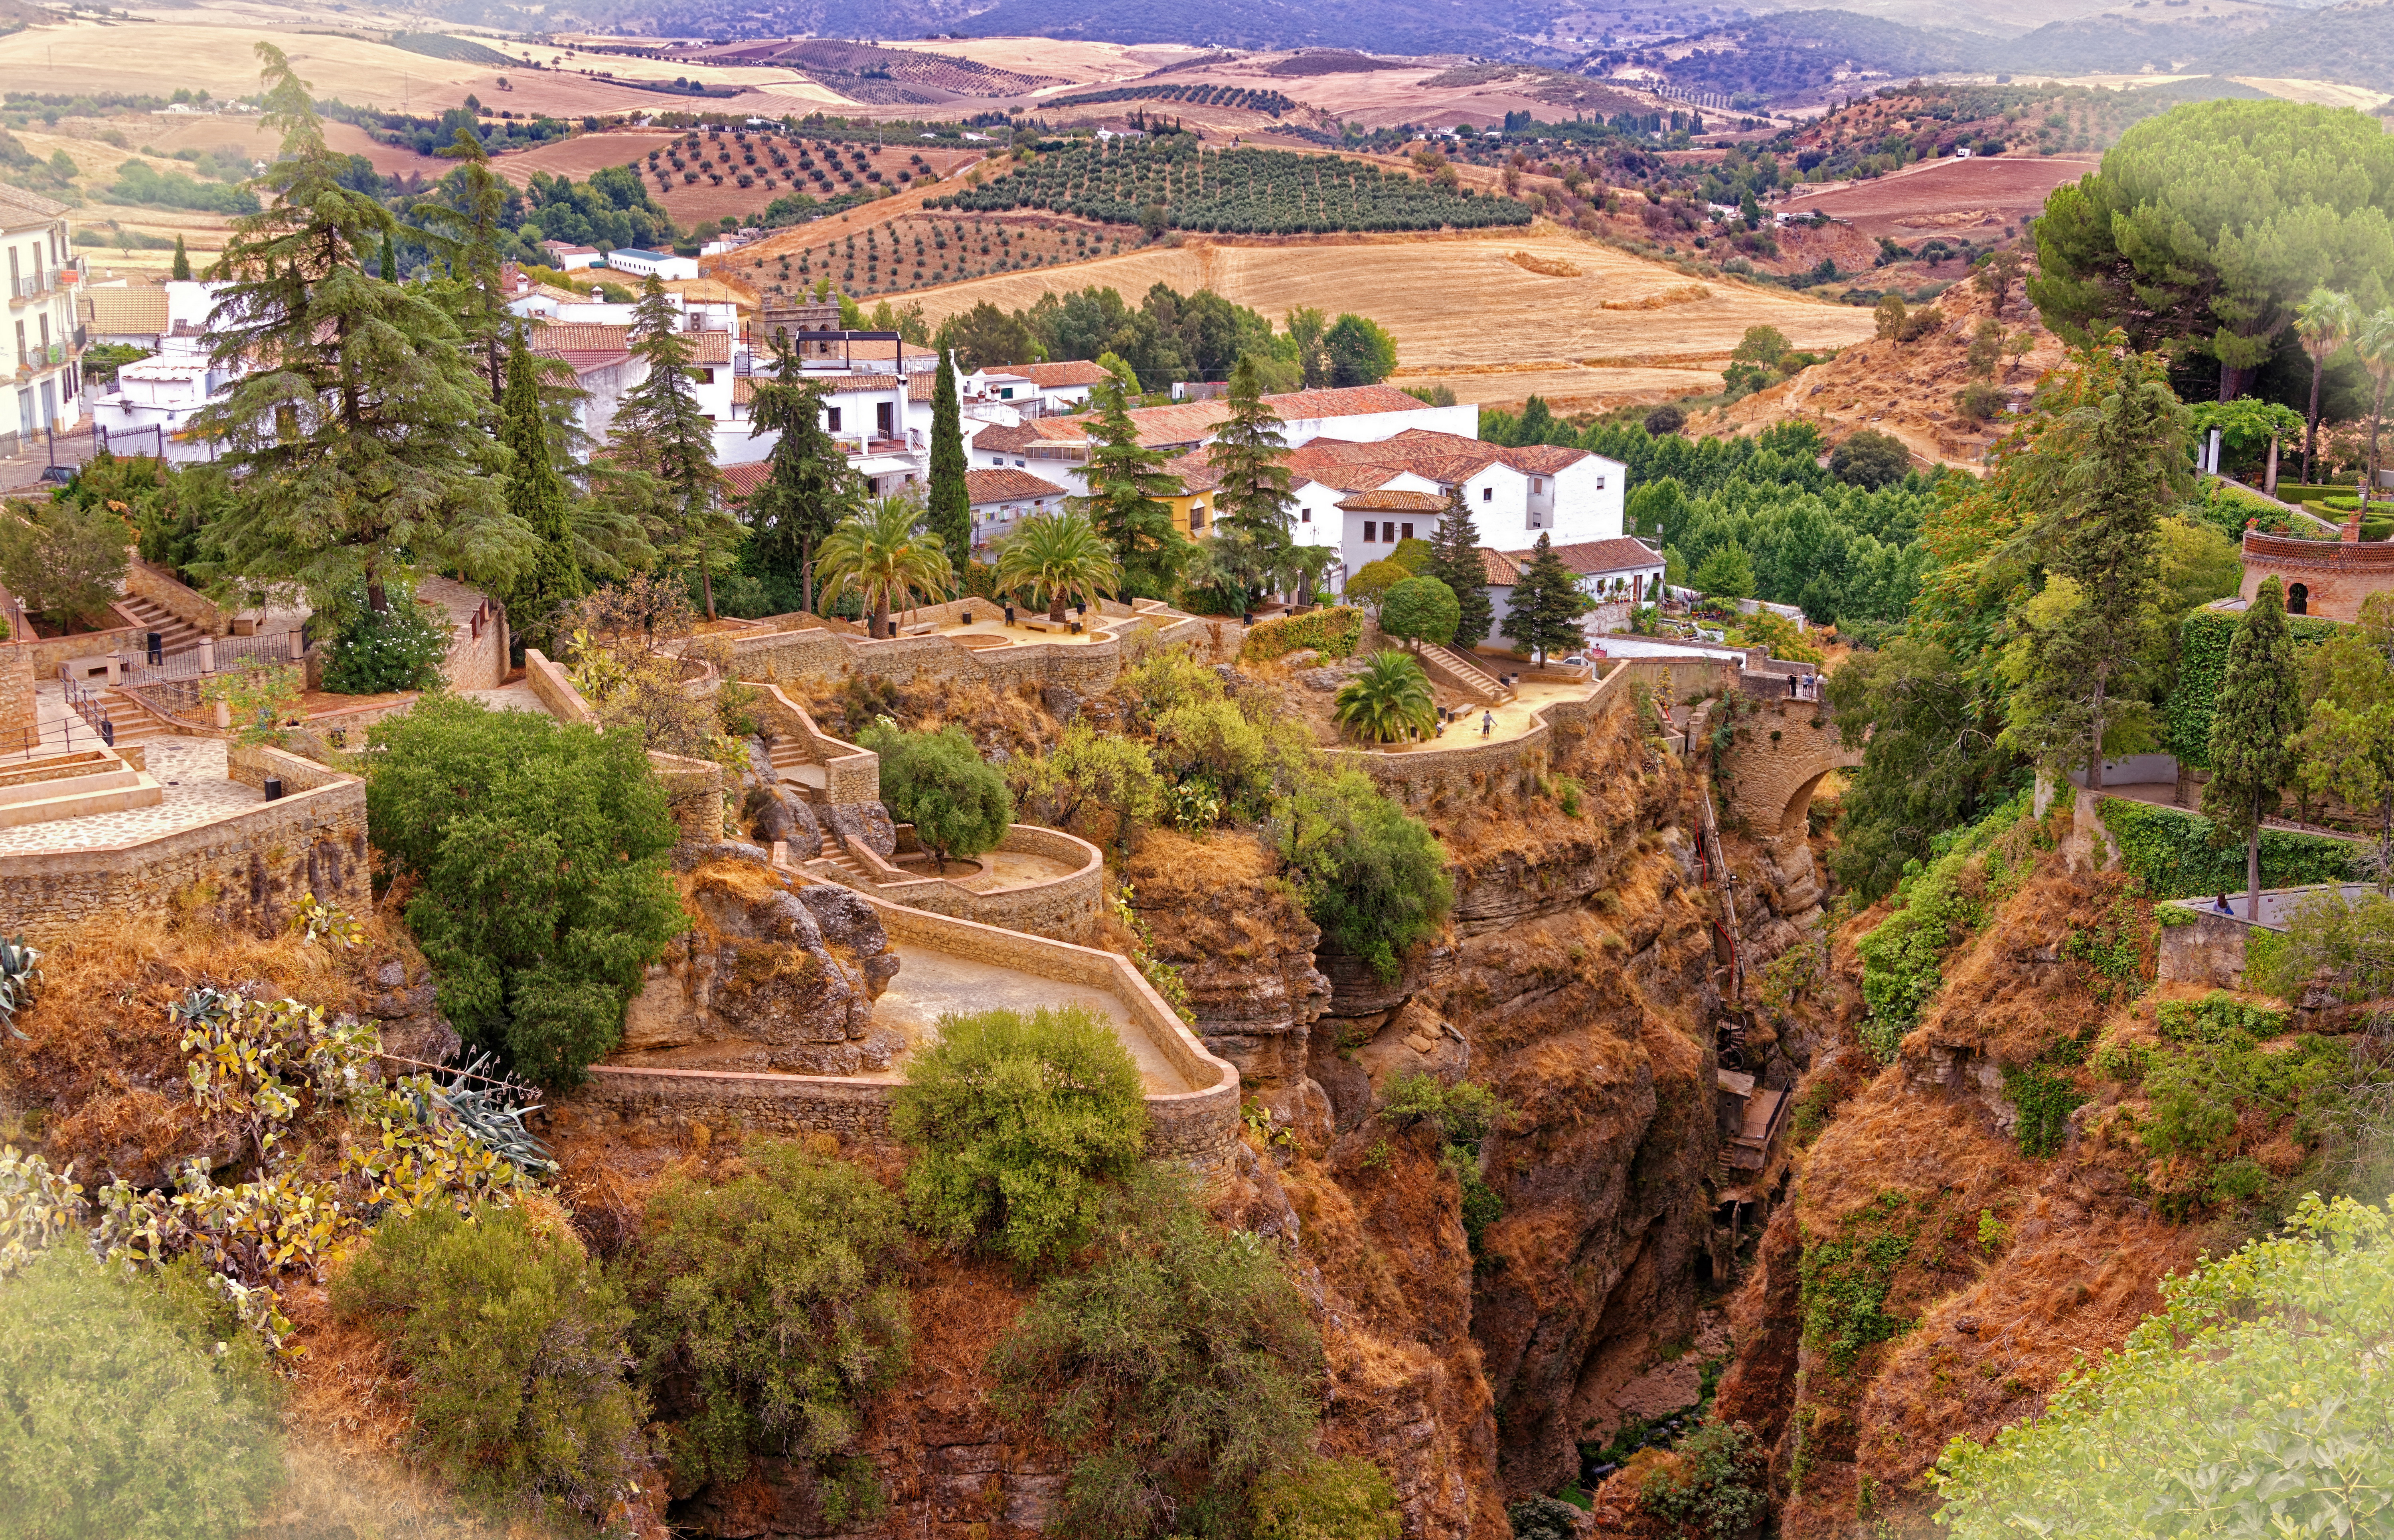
1487 723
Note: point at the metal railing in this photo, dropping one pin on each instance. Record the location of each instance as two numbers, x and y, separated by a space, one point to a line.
33 285
169 698
86 704
215 655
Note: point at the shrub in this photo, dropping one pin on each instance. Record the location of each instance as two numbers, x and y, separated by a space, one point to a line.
766 1311
1412 554
1667 419
939 782
1869 459
516 1343
1375 580
1325 1500
1101 783
1370 875
1714 1485
371 652
1179 1368
63 561
1331 632
538 854
1213 741
1727 572
1389 700
1978 401
117 1416
2170 852
1017 1123
1421 609
1463 1114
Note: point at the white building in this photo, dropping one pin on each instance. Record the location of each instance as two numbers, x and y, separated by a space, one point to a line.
1616 574
660 264
1001 500
155 398
1363 496
1038 389
44 337
570 258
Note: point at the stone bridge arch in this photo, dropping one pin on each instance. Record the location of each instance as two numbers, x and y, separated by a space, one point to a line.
1783 749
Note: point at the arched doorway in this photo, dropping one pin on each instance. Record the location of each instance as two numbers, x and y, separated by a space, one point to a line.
2298 599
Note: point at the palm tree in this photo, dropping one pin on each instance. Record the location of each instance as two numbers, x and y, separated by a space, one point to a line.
1058 557
2322 321
2374 340
1390 699
884 554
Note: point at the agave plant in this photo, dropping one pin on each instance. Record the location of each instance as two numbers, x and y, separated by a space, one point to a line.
21 974
1389 700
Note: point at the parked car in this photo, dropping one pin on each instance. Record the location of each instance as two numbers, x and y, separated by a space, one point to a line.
58 476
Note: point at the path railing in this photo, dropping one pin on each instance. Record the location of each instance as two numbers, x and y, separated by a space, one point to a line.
86 704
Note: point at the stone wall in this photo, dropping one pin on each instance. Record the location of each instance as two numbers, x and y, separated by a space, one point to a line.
555 690
1200 1127
163 589
17 708
1783 749
246 868
2210 952
1064 908
850 774
695 791
251 763
1087 666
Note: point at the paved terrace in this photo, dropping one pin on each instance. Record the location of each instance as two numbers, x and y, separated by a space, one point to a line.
931 984
191 771
1514 717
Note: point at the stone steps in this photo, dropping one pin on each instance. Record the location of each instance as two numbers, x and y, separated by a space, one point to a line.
175 634
836 853
132 722
1474 678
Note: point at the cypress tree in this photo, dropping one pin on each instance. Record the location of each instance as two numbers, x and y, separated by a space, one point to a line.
390 259
1547 605
809 488
1125 482
1454 560
951 505
181 270
659 430
2253 725
537 496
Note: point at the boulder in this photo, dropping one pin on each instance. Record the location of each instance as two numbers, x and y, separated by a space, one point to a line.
778 813
868 824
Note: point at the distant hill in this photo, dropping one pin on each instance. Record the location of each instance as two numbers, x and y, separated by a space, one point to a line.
2352 43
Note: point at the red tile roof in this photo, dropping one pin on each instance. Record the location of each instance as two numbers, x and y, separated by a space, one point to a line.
1054 376
559 337
1394 502
1194 422
1195 470
1593 558
1445 458
1007 486
1502 570
740 480
709 346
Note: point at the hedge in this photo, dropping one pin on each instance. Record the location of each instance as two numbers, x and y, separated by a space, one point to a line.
2203 663
1332 632
2170 852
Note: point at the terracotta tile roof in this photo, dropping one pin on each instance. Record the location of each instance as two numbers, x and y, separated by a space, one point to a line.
884 384
1195 470
1502 570
1353 400
740 480
1039 431
1590 558
744 390
559 337
1007 485
126 311
1056 376
1394 502
1446 458
18 207
1194 422
1541 459
709 346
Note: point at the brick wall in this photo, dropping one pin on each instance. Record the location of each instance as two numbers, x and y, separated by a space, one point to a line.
162 588
17 710
247 868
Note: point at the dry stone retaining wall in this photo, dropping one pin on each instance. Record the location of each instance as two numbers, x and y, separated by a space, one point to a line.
1063 908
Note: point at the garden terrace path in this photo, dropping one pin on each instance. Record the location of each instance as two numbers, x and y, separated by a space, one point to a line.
191 771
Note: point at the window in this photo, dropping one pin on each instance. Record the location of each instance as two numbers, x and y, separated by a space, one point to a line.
1537 483
1408 535
1599 483
2298 599
1487 494
1305 516
1371 530
704 375
831 420
881 417
1020 464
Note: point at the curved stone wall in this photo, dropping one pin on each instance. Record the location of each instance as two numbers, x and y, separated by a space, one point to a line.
1062 908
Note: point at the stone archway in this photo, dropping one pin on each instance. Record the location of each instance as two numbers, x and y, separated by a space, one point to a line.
1784 750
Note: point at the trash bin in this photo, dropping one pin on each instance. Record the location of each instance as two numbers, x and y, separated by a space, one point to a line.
273 787
157 648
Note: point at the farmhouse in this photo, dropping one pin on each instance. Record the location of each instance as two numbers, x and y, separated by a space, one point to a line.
653 264
1616 574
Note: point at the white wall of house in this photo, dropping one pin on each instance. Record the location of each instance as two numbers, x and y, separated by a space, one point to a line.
1369 428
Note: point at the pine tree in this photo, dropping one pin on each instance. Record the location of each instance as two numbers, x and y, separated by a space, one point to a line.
181 270
1454 560
2253 722
537 496
2086 636
389 259
659 430
1547 605
358 435
1250 458
469 229
808 488
1125 484
951 500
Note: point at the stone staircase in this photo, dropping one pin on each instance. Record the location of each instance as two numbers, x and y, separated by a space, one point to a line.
836 853
1470 676
132 722
175 635
792 764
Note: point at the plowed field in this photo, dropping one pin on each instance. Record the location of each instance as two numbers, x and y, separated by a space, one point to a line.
1969 198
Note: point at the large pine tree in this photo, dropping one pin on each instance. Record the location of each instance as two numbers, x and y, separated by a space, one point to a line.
537 496
951 503
1124 485
1454 560
358 436
464 220
808 488
1547 605
1251 460
660 431
2253 720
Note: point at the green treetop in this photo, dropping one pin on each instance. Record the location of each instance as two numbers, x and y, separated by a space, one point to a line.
951 504
659 430
2208 225
1725 573
1455 561
1124 485
358 435
2325 322
468 234
2346 749
2252 724
1250 458
538 496
1547 605
181 271
808 487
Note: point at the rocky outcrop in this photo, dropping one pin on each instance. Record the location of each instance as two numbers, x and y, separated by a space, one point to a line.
868 824
778 811
768 978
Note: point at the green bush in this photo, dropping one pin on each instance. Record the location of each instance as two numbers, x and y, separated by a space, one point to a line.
1178 1369
1372 875
2255 1403
2349 941
118 1417
766 1311
2203 636
939 782
538 851
515 1343
1716 1489
1462 1116
1326 1500
1331 632
1902 955
1421 609
1869 459
371 652
1017 1123
2169 850
64 561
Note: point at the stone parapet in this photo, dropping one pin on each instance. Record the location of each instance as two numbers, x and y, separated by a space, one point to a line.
850 774
1062 908
162 588
555 690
